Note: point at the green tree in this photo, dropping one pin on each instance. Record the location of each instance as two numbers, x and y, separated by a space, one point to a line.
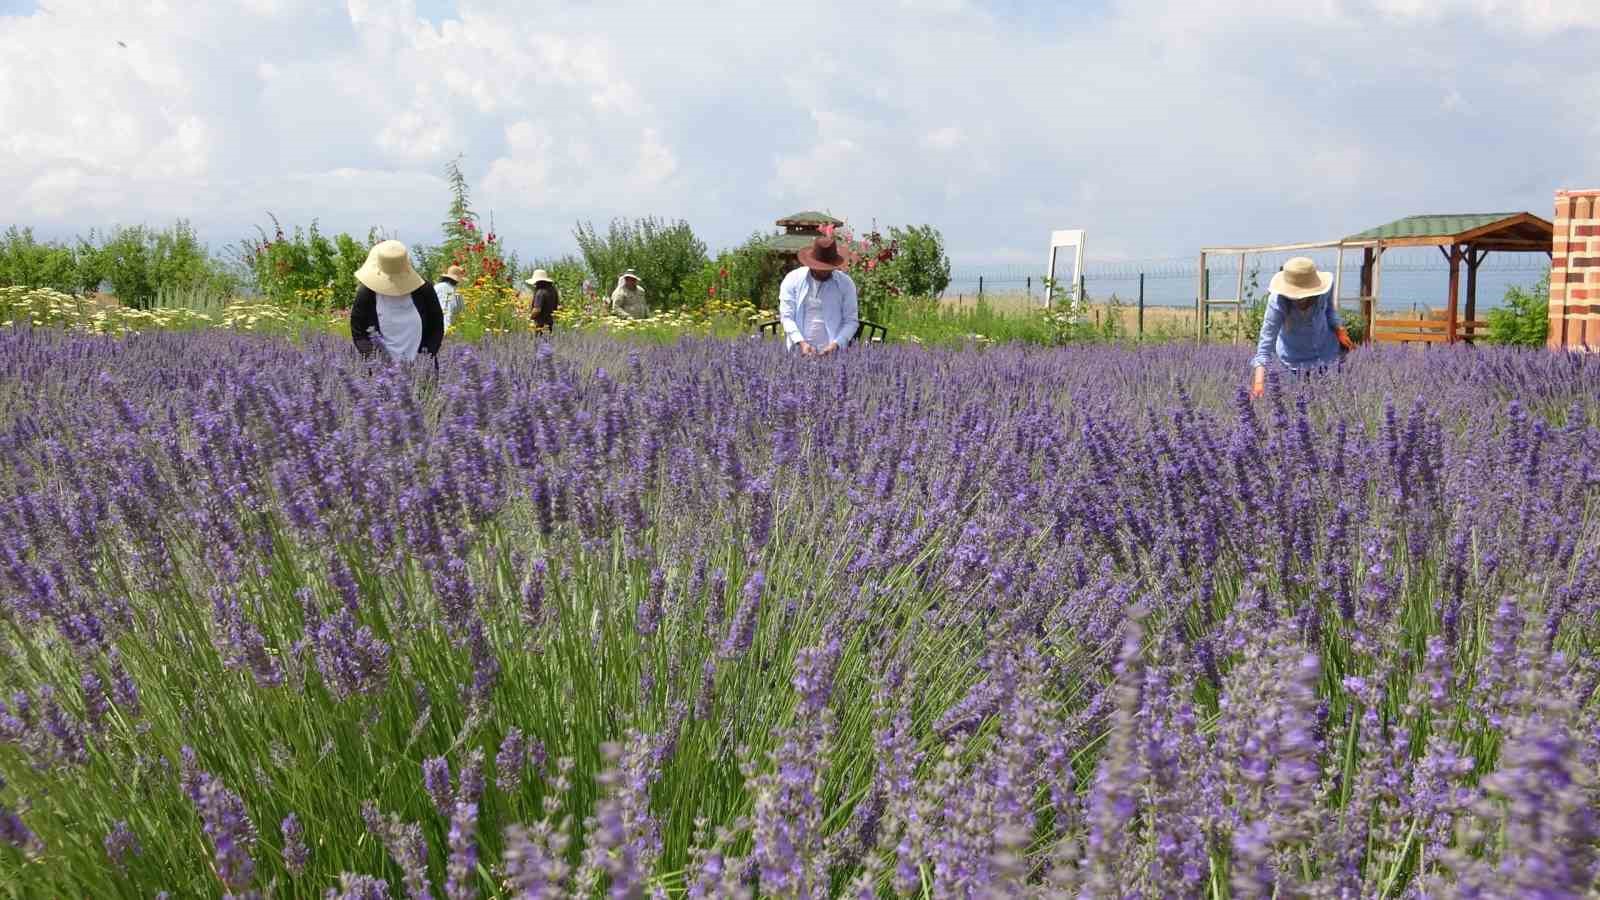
664 254
29 262
139 261
919 266
1524 319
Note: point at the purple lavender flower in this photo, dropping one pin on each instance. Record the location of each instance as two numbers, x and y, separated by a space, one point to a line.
436 781
295 852
359 887
233 837
461 869
742 631
122 843
516 753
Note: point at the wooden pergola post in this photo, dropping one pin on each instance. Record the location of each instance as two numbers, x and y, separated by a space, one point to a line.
1475 259
1455 291
1367 300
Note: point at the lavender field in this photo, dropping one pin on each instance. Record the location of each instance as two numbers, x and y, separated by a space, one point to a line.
586 618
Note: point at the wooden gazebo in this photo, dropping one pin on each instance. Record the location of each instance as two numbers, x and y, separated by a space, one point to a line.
1461 239
799 230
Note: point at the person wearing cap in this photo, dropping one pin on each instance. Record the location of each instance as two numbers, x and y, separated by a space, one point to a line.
628 298
449 300
817 304
545 299
395 309
1301 327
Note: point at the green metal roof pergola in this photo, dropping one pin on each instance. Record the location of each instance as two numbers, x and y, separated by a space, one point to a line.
1514 231
1466 237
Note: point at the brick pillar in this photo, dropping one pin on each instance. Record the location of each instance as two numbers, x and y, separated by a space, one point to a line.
1575 272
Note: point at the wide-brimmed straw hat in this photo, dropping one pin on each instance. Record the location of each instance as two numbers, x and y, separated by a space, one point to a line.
388 270
632 274
539 276
824 254
455 273
1300 279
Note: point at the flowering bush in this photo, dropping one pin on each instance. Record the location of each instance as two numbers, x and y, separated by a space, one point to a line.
580 617
305 268
489 308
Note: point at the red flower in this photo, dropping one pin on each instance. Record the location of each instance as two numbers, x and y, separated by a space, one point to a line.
712 291
491 238
723 274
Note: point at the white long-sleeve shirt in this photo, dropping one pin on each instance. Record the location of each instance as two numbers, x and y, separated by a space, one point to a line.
801 298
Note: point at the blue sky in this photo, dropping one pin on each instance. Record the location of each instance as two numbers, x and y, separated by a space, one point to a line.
1158 125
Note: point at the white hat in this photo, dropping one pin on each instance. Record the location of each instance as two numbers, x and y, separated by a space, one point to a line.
1300 279
388 270
538 276
631 274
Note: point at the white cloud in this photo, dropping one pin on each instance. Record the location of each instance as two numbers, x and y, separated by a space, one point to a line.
1156 124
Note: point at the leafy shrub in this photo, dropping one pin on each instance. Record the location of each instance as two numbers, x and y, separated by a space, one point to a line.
28 262
665 254
568 272
919 267
1524 320
137 261
753 271
307 266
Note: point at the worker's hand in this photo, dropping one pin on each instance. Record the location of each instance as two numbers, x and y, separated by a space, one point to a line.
832 346
1258 386
807 350
1344 340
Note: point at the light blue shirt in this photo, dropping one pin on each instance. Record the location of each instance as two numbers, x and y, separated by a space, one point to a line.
836 298
1299 339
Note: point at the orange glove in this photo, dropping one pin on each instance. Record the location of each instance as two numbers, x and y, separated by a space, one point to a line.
1344 339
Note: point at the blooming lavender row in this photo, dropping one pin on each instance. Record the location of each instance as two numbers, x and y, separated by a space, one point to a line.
590 618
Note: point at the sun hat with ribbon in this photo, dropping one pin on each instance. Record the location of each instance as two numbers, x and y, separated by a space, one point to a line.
539 276
388 270
824 254
456 274
1300 279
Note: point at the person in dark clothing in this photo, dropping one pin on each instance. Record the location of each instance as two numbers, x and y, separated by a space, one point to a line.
545 300
395 309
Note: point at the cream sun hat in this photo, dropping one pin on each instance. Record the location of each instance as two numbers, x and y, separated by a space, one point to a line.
539 275
388 270
1300 279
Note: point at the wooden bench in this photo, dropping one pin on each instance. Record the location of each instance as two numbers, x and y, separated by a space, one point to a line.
871 332
1430 329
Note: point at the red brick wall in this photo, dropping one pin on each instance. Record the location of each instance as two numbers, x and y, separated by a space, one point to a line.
1575 272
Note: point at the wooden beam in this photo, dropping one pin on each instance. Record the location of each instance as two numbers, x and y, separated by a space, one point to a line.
1455 290
1272 248
1474 259
1200 300
1446 254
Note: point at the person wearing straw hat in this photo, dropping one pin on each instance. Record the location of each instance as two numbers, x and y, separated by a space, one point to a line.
628 299
1301 326
449 300
546 297
817 303
395 308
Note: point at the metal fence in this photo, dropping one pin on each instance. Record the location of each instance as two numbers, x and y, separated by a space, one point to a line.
1411 278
